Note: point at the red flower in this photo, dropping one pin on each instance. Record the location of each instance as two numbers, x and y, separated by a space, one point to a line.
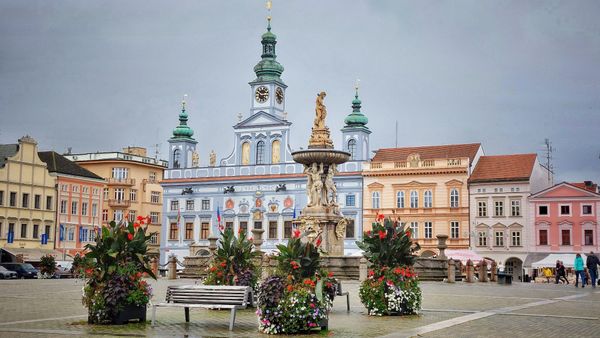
290 288
221 228
223 264
140 218
312 305
330 274
250 239
329 285
381 278
368 232
294 265
407 233
309 282
379 217
381 234
390 283
371 273
397 271
213 269
296 233
136 225
219 274
318 241
130 236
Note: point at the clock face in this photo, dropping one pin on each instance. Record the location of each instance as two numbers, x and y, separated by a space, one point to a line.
262 94
279 95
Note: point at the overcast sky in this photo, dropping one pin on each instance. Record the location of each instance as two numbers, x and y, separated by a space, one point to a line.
100 75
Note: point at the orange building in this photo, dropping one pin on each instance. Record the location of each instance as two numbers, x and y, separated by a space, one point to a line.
425 188
79 203
132 186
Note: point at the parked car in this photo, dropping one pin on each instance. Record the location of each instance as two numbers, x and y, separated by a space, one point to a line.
7 274
23 270
63 272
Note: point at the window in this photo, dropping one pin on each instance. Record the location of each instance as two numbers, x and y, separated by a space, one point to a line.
260 152
428 229
23 230
73 208
1 197
105 194
273 230
119 194
47 231
11 228
133 195
120 173
481 238
499 238
131 215
454 229
173 231
516 238
499 208
565 236
189 205
350 200
85 190
64 187
400 199
414 199
105 215
414 230
37 201
174 205
245 153
84 208
176 158
204 230
155 197
205 204
229 225
154 217
515 208
350 229
75 188
543 210
25 202
154 238
586 209
454 198
13 199
588 237
152 177
94 209
543 237
428 199
565 210
275 151
71 234
375 200
189 230
63 207
48 203
257 225
482 209
36 231
352 149
244 228
118 215
287 229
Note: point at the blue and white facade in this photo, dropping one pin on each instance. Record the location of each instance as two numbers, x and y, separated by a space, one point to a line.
258 185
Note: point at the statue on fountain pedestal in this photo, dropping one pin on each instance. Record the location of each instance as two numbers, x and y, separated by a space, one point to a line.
331 189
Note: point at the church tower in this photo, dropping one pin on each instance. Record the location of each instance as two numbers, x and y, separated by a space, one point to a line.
355 134
182 145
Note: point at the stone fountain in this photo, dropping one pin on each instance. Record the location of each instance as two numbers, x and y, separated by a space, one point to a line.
321 218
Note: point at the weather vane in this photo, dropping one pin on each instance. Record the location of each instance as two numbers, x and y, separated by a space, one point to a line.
183 101
269 5
357 85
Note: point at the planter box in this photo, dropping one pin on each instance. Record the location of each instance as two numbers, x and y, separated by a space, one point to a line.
130 312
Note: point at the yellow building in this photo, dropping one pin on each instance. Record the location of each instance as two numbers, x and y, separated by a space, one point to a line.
425 188
27 203
133 187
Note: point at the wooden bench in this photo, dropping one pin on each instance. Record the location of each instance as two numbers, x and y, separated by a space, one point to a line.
208 297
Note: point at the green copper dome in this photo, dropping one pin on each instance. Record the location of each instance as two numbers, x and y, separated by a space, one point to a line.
356 118
268 68
183 131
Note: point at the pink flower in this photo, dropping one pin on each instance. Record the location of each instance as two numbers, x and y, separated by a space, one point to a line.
296 233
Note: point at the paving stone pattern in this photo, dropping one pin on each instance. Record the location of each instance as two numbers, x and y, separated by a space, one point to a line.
52 308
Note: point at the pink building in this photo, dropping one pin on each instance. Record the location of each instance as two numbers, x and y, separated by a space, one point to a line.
566 219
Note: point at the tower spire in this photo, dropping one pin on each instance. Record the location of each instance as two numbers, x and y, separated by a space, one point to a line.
183 130
356 118
269 5
268 68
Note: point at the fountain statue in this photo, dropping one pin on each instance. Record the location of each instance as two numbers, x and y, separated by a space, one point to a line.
322 218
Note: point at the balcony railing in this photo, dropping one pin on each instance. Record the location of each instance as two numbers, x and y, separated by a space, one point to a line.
428 164
119 203
121 181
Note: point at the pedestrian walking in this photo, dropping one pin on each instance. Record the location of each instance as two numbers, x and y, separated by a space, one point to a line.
561 273
592 263
579 272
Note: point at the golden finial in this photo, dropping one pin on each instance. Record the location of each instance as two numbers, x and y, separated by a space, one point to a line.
183 101
269 5
357 85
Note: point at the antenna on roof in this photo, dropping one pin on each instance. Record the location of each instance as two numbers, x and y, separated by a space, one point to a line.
396 133
548 155
156 150
69 150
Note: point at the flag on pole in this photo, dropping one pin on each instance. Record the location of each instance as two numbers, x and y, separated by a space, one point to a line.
62 232
294 214
11 237
179 232
218 216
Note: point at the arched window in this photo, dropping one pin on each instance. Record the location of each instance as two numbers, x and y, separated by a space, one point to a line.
176 158
352 148
414 199
454 198
375 200
275 151
428 199
400 199
245 153
260 152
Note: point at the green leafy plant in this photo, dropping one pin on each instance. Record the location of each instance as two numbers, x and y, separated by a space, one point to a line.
47 266
298 259
234 261
113 268
389 244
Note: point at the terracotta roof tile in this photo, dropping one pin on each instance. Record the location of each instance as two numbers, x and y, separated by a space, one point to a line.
428 152
503 168
589 185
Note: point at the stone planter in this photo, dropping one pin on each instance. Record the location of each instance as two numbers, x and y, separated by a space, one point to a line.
130 312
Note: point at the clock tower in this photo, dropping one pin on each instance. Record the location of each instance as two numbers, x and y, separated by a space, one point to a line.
268 90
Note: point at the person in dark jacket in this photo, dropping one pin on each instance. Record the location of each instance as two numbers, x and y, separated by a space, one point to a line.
592 263
561 272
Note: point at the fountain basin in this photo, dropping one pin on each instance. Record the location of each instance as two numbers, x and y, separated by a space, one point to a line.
327 156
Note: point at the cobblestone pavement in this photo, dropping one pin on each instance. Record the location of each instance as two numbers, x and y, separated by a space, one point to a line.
52 308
